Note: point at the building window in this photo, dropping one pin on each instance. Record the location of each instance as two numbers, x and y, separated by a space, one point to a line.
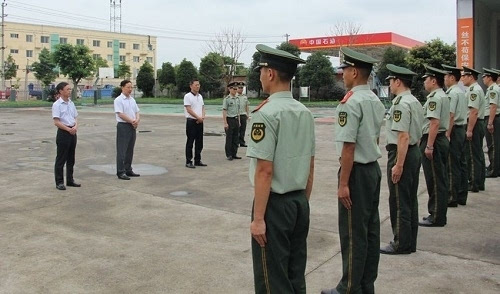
136 58
110 44
96 56
44 39
136 46
96 43
63 40
122 58
15 36
29 53
80 42
14 51
149 59
122 45
29 38
110 57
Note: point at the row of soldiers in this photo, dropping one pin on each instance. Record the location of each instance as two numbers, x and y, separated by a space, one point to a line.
235 115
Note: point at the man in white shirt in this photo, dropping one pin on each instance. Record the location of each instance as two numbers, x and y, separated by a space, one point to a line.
65 119
194 110
128 118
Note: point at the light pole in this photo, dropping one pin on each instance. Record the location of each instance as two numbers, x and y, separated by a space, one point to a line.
26 79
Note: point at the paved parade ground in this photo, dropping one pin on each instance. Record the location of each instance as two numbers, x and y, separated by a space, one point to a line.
180 230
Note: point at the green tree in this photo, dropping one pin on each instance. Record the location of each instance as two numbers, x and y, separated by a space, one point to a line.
184 74
290 48
253 77
317 72
433 53
44 69
393 55
74 62
166 76
10 68
123 71
211 72
146 80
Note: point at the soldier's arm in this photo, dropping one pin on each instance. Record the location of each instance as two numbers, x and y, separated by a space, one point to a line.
450 126
310 179
433 130
493 112
472 119
346 163
262 181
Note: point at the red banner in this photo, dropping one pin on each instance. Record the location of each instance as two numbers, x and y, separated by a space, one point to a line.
465 42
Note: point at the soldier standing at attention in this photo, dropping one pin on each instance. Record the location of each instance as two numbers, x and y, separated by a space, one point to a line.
359 118
456 165
435 147
231 118
281 170
492 120
243 113
475 129
404 130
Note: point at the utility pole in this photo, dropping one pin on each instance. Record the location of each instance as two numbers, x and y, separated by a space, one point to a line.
3 46
286 36
26 80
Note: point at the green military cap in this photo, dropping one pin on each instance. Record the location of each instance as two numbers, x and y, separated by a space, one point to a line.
277 59
241 84
497 70
433 72
470 71
490 72
356 59
452 69
232 84
399 72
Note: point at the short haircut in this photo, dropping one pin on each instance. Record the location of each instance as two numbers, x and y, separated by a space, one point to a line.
364 72
285 76
61 86
124 82
439 80
192 81
406 83
456 75
494 78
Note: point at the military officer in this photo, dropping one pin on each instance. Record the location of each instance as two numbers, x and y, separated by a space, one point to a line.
359 118
404 130
243 113
281 149
456 165
231 120
434 147
492 121
475 129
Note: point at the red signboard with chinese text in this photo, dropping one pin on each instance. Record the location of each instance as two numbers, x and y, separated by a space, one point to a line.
465 42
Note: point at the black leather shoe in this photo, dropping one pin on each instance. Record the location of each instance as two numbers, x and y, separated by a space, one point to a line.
190 165
330 291
428 223
60 187
491 175
123 177
132 174
199 163
236 157
473 189
452 204
462 203
426 217
481 188
229 158
389 249
73 184
243 145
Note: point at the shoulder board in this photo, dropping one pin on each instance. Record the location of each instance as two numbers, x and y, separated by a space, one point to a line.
260 105
398 99
346 97
491 88
471 88
432 94
448 91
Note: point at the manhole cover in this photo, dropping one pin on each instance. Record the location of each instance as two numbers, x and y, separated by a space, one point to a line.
180 193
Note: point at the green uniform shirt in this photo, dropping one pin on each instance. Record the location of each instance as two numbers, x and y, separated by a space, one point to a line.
437 106
231 104
475 96
406 115
458 105
283 132
243 104
359 118
493 96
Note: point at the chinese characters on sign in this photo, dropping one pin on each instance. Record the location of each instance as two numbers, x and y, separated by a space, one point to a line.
465 42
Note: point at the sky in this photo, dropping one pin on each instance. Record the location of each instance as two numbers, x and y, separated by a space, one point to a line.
183 28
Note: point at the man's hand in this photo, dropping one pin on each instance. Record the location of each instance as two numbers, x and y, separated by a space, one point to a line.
397 171
73 130
344 196
258 231
490 128
429 153
469 135
199 120
226 126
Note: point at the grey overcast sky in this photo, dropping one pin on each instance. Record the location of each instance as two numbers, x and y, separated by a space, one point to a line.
183 27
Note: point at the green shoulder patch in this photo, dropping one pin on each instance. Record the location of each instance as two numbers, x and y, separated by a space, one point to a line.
397 115
432 106
491 87
471 88
398 99
258 132
493 95
342 119
473 97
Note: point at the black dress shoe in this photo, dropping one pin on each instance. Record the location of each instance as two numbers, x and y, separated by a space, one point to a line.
123 177
473 189
229 158
199 163
236 157
491 175
73 184
243 145
462 203
330 291
60 187
190 165
426 217
452 204
389 249
428 223
481 188
132 174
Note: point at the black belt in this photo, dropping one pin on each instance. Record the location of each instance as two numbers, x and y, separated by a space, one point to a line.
458 126
440 134
231 117
392 147
188 118
480 119
243 114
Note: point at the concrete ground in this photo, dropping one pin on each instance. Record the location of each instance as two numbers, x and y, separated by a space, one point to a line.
179 230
